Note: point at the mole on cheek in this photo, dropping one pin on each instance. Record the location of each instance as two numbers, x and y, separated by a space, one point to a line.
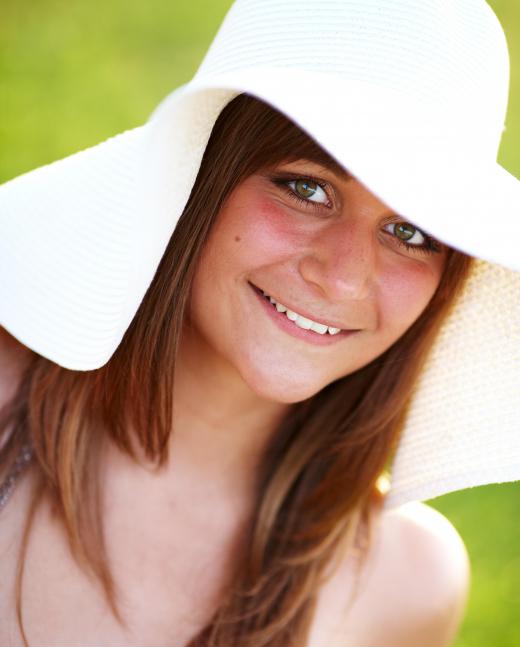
237 239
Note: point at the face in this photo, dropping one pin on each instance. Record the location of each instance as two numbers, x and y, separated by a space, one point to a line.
298 245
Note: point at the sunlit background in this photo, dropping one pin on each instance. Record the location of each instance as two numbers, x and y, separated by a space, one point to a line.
73 73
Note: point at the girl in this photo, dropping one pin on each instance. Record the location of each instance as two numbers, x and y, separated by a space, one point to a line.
220 327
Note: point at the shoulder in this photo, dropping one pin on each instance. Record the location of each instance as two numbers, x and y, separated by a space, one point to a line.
433 559
426 537
12 523
412 589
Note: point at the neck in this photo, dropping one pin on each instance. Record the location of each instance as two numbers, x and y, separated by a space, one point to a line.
221 427
220 431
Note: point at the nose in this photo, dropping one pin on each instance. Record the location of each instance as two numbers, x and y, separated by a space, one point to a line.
341 261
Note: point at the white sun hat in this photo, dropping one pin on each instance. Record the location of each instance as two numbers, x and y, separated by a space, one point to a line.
411 98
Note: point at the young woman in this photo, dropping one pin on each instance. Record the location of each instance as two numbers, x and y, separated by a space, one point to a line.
217 328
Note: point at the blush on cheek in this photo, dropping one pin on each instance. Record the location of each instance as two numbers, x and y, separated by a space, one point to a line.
406 291
269 227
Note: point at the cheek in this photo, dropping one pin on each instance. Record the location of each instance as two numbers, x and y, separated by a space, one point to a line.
251 234
267 227
266 231
405 291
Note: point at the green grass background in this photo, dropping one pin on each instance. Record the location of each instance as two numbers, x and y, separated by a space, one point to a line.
74 73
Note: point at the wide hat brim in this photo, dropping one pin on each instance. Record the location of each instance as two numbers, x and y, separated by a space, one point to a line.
82 239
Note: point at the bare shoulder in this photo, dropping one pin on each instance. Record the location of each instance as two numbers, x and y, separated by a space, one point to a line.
412 590
12 523
424 534
434 562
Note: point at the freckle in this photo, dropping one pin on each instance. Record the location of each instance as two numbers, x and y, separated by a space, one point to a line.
237 239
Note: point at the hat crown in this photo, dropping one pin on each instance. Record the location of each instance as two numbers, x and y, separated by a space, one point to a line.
445 54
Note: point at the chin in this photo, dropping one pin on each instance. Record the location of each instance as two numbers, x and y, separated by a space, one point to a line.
281 386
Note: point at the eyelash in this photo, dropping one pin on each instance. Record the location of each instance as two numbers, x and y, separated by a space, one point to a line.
430 245
284 181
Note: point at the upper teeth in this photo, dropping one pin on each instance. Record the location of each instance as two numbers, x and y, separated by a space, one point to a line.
301 321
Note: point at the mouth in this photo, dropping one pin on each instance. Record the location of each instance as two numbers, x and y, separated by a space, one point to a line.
297 325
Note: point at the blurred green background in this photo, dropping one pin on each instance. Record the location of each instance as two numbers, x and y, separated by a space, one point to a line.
74 73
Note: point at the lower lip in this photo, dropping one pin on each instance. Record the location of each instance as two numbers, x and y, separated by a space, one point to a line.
290 327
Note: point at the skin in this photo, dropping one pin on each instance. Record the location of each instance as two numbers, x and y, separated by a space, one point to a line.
334 263
237 372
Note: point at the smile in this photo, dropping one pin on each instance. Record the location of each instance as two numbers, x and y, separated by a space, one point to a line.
301 321
313 332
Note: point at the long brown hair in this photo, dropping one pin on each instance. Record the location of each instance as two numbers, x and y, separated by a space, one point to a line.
316 489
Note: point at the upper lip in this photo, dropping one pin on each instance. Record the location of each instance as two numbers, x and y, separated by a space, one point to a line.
326 321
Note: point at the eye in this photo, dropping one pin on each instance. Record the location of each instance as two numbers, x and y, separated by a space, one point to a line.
412 238
308 190
406 232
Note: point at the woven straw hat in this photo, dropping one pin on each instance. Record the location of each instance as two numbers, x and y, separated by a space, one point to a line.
411 98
